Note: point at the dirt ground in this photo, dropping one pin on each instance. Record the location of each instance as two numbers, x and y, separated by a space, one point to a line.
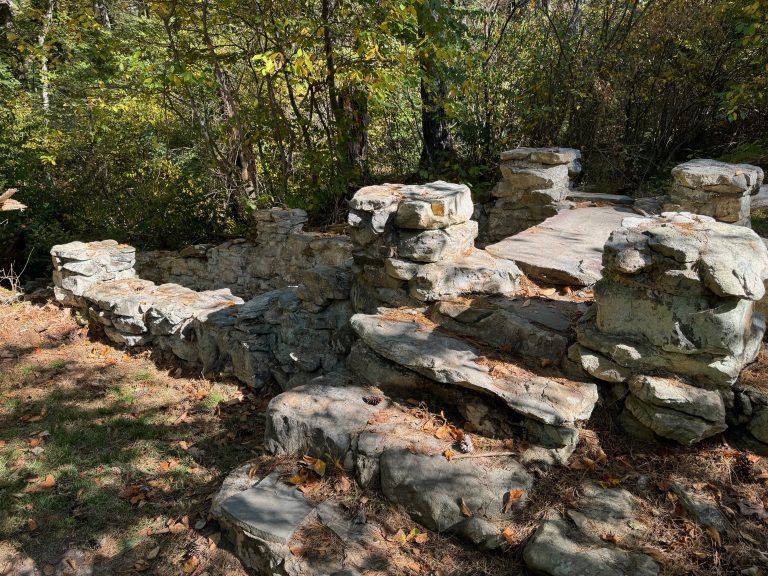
108 461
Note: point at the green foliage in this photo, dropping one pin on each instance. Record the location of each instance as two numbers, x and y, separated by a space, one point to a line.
172 122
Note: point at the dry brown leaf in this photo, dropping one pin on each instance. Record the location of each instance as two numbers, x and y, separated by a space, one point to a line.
46 484
547 291
166 465
654 553
610 537
35 441
152 554
297 550
421 538
465 509
319 467
342 484
449 454
509 535
190 565
443 433
299 478
512 497
183 444
177 528
31 525
398 537
715 536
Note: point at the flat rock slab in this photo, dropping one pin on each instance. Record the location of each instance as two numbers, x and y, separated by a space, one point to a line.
475 273
716 176
432 488
564 249
557 549
576 545
599 197
419 345
271 510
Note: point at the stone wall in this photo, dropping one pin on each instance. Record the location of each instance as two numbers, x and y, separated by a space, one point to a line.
278 257
290 334
534 186
674 323
711 188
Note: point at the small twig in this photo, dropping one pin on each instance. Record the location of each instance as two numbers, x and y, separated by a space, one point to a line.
484 454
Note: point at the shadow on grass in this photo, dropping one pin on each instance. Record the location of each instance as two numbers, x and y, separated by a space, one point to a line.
105 434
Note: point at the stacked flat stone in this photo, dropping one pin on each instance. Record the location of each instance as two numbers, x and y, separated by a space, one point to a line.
292 334
717 189
278 257
77 266
534 187
674 321
415 244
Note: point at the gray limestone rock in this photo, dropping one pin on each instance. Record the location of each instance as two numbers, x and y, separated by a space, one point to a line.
418 346
566 248
476 273
672 424
431 488
718 176
702 511
320 419
558 549
435 245
522 175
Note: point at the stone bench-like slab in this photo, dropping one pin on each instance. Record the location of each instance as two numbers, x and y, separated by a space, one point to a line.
565 249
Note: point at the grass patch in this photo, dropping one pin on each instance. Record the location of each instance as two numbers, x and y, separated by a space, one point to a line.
760 222
75 412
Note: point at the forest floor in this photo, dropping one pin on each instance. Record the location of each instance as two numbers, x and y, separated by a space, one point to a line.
108 461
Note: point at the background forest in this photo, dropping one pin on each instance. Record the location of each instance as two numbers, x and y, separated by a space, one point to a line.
165 122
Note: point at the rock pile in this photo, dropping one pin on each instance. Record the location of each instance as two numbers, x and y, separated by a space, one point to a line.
278 257
77 266
415 244
292 334
711 188
674 321
534 187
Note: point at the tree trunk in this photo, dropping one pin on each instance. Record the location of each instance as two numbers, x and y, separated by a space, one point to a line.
437 146
349 106
101 13
244 157
44 76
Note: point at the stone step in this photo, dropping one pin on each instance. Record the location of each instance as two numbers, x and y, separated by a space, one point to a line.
566 249
577 543
599 197
417 343
273 528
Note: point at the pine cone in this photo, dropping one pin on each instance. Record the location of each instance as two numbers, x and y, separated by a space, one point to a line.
373 400
466 445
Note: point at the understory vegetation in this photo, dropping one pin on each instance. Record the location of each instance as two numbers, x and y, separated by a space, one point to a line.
163 122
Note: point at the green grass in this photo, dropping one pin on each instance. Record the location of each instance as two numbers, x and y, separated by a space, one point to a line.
760 222
142 376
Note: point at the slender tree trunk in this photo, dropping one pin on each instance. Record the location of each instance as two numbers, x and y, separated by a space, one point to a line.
349 106
437 146
231 108
101 14
45 81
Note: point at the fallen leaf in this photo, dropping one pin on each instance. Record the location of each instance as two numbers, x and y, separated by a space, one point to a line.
31 525
342 484
449 454
443 433
715 536
152 554
654 553
46 484
465 509
509 535
190 565
319 467
167 465
398 537
421 538
35 441
511 498
547 291
299 478
183 445
610 537
177 528
296 550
